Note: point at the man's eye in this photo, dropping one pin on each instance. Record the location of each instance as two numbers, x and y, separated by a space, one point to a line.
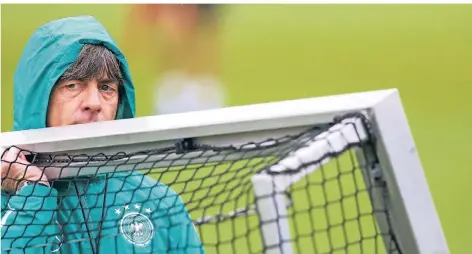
72 86
107 88
72 89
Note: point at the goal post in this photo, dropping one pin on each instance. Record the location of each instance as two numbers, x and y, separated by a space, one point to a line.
289 141
409 198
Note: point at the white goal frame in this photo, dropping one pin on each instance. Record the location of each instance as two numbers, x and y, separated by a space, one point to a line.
415 220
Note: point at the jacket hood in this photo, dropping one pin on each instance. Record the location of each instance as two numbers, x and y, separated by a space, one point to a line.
50 51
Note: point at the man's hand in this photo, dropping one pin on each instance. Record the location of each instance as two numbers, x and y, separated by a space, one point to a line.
16 169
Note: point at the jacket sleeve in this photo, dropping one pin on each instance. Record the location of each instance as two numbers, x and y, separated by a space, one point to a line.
29 221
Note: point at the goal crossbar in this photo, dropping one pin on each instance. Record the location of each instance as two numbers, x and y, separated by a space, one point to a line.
170 127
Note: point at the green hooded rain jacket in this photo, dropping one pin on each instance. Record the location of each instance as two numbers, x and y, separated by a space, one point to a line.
120 213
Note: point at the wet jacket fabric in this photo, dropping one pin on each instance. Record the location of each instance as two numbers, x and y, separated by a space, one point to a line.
111 213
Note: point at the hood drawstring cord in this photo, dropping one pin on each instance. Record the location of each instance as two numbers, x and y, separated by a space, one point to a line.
85 219
103 212
94 251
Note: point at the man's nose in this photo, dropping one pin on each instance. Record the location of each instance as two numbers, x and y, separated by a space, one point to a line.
92 101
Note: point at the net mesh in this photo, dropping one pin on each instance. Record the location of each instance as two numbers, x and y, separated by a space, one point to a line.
195 198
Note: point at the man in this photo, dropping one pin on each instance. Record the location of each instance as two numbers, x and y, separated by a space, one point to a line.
72 72
185 40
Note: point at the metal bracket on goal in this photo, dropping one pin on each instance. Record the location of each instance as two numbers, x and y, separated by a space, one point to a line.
184 145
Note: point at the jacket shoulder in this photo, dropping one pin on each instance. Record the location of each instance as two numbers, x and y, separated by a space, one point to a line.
137 187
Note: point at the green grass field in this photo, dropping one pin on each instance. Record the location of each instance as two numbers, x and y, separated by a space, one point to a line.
278 52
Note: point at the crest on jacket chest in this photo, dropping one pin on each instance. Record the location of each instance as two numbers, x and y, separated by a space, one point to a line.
136 227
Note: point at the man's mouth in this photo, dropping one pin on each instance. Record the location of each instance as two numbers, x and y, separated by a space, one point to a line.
84 121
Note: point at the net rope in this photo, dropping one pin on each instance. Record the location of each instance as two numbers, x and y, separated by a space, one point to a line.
155 209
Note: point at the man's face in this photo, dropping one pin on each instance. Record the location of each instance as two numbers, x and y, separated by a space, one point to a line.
79 102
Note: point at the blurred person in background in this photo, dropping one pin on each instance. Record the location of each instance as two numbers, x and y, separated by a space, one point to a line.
186 39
